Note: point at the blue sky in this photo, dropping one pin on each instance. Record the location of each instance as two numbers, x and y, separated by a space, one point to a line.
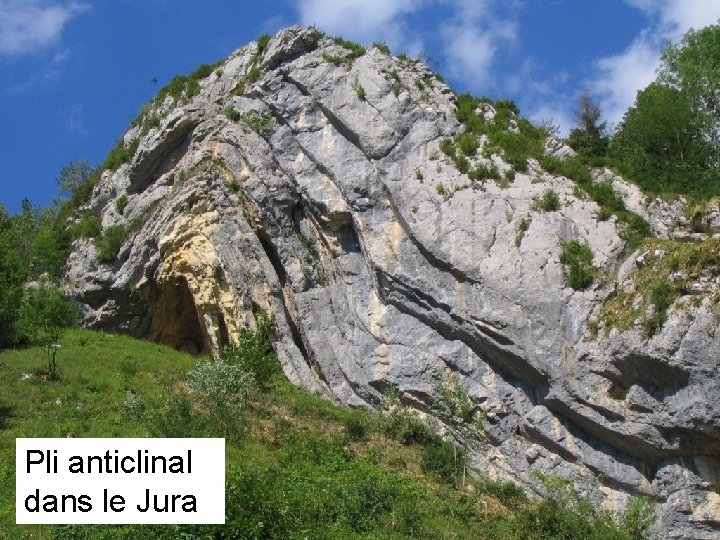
74 73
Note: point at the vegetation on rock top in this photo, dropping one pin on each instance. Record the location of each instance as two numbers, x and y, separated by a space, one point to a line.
668 270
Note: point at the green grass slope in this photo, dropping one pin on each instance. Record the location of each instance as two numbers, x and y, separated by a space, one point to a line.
297 465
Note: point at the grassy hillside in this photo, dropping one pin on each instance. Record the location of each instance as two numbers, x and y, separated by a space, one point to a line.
297 466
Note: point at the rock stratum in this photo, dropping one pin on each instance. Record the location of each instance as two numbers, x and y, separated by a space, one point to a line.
306 181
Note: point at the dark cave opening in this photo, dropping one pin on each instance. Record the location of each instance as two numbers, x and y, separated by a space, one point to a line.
174 320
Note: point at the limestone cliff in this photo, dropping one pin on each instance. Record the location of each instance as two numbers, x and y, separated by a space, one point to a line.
307 180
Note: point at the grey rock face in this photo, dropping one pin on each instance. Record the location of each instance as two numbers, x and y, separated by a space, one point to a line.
320 205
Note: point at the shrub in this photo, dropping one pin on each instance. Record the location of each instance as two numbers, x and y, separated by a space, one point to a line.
72 176
87 227
604 194
443 459
467 143
262 44
639 517
661 295
175 89
401 425
577 257
120 154
176 418
447 147
253 352
232 114
633 228
549 202
356 428
484 172
571 168
359 90
121 203
461 163
356 49
239 89
182 88
508 493
192 89
338 60
202 72
259 123
108 244
133 405
523 227
442 191
603 214
507 104
253 75
151 122
220 388
397 85
515 148
382 47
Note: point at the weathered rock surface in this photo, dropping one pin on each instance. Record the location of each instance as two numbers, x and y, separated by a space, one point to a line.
327 216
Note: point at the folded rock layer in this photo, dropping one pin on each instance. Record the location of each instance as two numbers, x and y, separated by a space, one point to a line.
309 184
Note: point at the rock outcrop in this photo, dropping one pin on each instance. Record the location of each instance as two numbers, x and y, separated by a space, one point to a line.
307 181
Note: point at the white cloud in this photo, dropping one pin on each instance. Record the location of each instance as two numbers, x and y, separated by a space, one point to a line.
649 7
30 25
619 77
471 34
74 119
679 16
557 114
471 40
675 17
469 53
367 21
544 97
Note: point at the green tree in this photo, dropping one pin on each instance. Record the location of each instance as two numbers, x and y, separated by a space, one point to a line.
589 138
40 240
660 143
51 244
12 276
693 67
24 224
72 176
43 317
669 140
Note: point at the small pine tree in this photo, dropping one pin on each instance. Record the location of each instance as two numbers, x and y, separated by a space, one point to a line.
589 138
